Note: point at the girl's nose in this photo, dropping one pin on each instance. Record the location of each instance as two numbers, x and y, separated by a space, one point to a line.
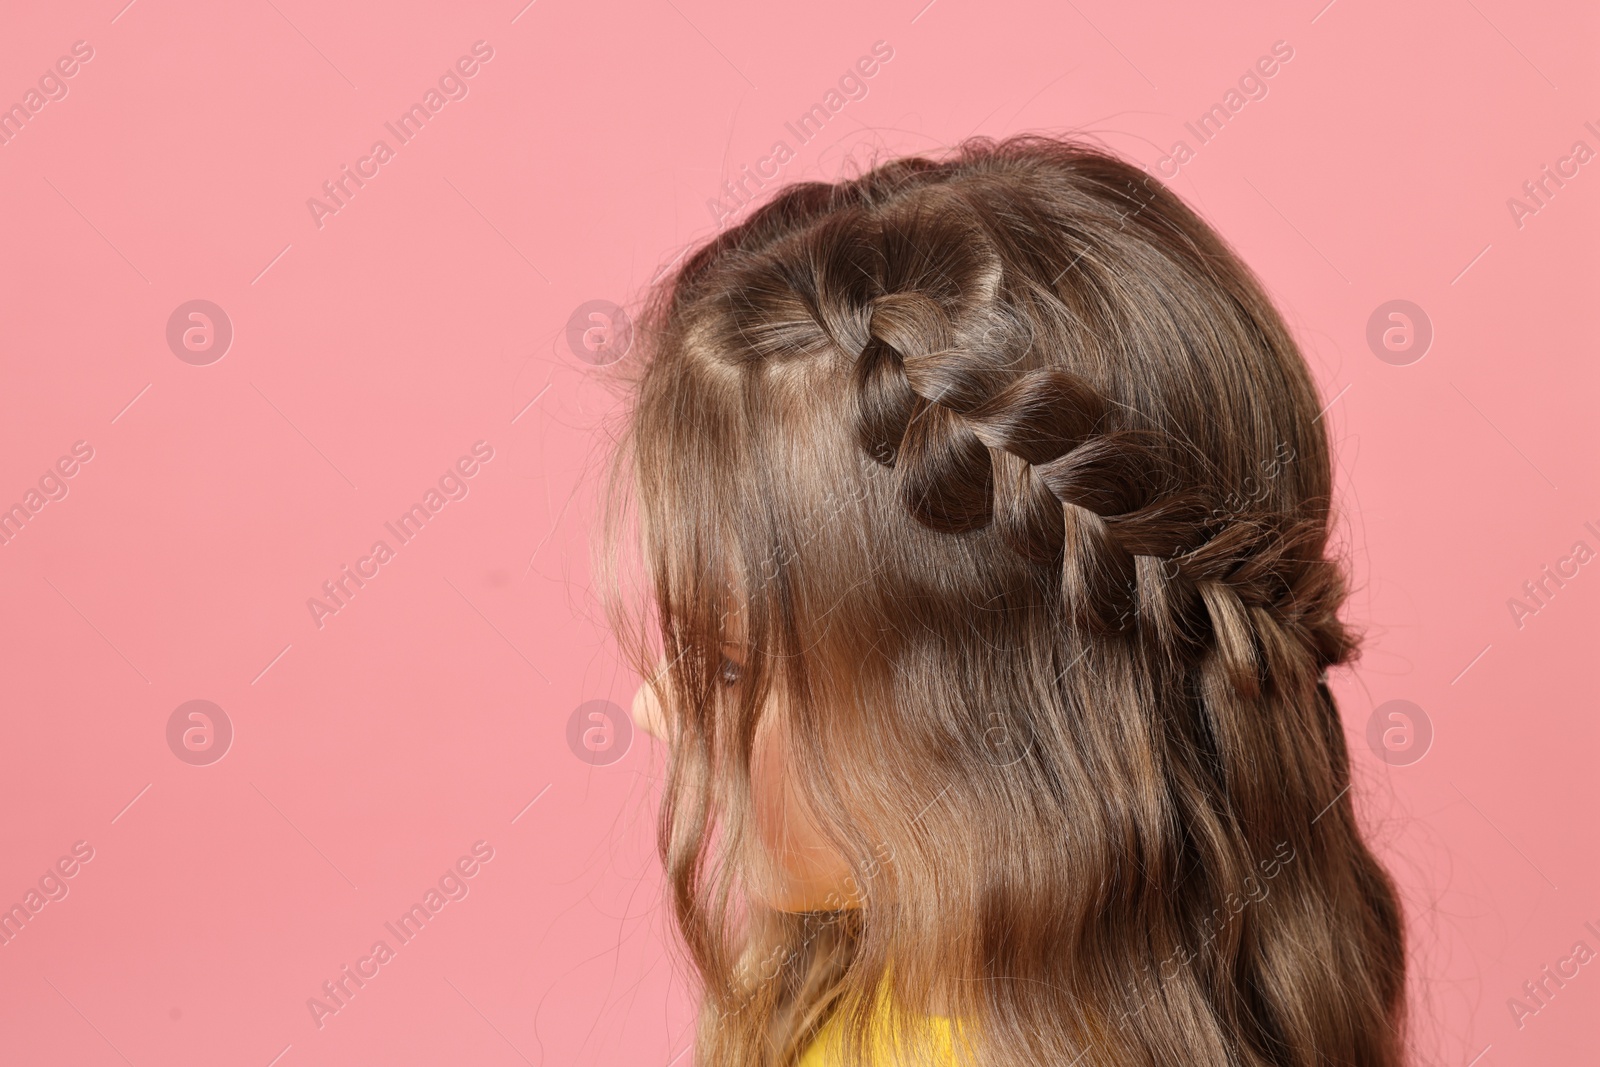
647 714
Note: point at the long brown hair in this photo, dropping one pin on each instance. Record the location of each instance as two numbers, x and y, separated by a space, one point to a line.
1017 480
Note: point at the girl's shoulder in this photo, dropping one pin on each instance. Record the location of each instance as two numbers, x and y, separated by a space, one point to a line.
928 1041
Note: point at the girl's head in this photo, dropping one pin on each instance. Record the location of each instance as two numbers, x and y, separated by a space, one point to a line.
984 506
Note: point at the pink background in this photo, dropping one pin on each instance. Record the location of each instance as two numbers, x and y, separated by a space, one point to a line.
429 313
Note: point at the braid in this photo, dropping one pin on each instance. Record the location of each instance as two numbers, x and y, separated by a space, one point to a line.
979 441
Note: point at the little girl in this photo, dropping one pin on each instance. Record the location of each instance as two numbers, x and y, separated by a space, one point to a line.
984 509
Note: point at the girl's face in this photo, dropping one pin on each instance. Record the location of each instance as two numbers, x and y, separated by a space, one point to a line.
797 869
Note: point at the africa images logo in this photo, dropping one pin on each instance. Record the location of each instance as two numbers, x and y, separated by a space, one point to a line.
452 85
52 86
452 885
852 86
452 485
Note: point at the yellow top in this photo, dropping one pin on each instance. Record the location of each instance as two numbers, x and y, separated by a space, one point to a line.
888 1047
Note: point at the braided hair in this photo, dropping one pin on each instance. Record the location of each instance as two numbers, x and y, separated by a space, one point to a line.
1019 481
